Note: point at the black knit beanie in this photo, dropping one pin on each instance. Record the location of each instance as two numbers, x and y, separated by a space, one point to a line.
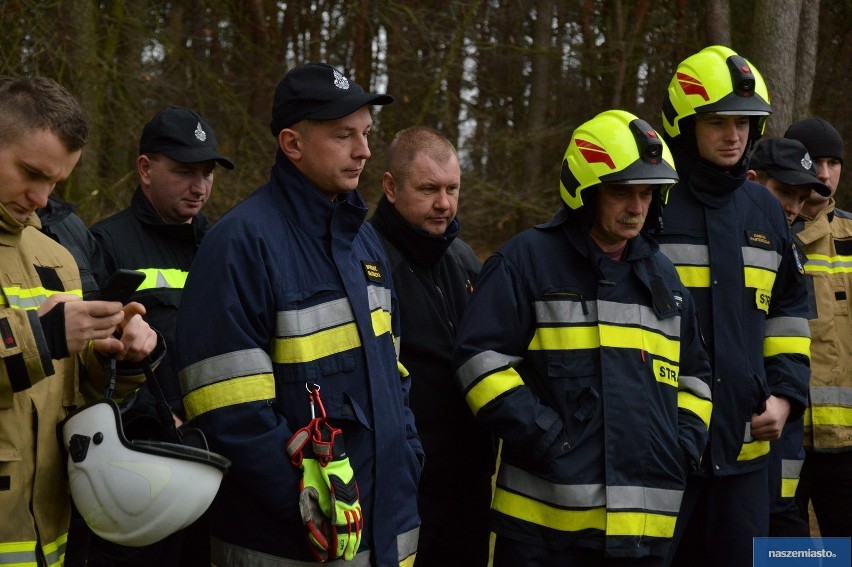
818 136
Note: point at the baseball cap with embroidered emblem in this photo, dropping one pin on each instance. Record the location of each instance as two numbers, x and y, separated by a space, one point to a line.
787 161
183 135
317 91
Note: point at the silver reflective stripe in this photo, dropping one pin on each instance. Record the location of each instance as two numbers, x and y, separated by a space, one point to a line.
483 363
560 495
831 263
687 254
643 498
787 327
639 316
791 468
18 557
310 320
695 385
747 438
17 302
301 322
570 311
53 557
406 544
379 297
831 395
760 258
224 554
223 367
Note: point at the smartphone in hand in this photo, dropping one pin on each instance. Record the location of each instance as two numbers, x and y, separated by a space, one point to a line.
121 285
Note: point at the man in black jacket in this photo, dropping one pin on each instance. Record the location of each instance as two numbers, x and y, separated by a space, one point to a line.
61 223
159 234
433 273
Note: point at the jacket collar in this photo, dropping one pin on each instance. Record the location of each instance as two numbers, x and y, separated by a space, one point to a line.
145 213
712 186
415 243
810 230
56 211
9 226
306 207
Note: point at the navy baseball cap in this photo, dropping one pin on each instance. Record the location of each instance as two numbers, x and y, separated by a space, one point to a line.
182 135
787 160
317 91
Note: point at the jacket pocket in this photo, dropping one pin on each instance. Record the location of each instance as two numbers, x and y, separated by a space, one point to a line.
575 387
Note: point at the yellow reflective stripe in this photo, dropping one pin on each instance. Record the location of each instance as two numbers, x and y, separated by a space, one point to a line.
806 418
640 339
31 298
640 524
163 278
381 322
788 487
752 450
773 346
492 386
541 514
403 371
587 337
228 393
831 415
758 278
408 562
694 276
54 552
822 263
289 350
564 338
699 406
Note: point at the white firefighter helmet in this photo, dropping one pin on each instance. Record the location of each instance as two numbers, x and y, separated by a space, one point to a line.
135 493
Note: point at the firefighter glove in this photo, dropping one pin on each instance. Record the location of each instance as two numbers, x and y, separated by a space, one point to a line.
314 506
347 520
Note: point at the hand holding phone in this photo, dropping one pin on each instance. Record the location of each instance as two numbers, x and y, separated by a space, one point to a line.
121 285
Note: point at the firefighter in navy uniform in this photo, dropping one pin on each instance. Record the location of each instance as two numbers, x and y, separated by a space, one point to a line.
289 315
730 242
580 349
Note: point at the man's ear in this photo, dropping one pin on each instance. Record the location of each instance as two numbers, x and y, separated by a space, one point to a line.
143 169
389 187
751 175
290 143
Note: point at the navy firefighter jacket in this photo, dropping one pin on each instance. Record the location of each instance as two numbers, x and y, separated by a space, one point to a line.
593 374
287 290
731 245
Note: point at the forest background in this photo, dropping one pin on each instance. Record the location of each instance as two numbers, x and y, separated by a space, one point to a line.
507 80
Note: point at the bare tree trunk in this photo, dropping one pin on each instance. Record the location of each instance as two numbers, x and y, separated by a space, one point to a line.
806 56
717 18
773 51
540 79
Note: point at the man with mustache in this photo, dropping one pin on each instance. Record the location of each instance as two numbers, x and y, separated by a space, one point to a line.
580 349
